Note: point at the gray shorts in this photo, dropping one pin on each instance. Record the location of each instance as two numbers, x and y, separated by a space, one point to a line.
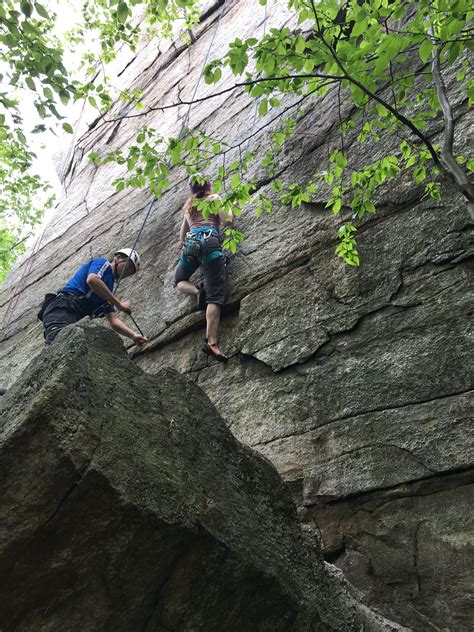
215 273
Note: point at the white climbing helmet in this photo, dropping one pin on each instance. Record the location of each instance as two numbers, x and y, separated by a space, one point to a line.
132 255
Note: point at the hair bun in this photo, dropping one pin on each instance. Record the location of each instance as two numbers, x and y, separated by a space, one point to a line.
199 189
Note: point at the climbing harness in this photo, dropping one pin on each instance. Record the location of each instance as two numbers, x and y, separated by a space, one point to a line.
196 243
192 246
48 299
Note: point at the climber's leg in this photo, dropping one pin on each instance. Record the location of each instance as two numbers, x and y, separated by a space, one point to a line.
216 281
187 287
58 315
213 317
187 265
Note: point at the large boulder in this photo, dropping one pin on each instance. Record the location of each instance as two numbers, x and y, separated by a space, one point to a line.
128 505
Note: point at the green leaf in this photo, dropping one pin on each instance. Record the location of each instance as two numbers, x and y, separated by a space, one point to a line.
278 138
300 45
336 207
68 128
26 8
41 10
454 52
94 158
425 50
405 149
30 83
359 27
263 107
64 96
341 160
358 94
122 12
419 174
470 92
235 180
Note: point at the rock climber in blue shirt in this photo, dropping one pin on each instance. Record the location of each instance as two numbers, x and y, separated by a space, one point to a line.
90 293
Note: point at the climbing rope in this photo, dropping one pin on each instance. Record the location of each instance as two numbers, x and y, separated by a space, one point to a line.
72 145
229 257
257 101
183 127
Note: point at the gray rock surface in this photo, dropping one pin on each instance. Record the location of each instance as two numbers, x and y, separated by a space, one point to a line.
355 383
128 505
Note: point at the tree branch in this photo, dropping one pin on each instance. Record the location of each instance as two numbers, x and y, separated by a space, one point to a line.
375 97
217 94
18 243
450 164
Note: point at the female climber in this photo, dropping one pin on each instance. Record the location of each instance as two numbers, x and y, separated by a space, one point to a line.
201 244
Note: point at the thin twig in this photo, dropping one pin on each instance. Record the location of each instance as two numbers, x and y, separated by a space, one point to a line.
447 156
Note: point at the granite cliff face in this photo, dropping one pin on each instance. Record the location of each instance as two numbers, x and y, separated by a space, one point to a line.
355 383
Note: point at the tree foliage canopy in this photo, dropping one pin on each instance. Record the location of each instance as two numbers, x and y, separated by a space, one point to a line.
33 66
386 59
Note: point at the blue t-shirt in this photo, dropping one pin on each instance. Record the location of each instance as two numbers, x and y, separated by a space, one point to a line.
77 284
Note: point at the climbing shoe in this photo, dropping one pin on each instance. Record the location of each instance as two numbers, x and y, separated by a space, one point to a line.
201 298
212 350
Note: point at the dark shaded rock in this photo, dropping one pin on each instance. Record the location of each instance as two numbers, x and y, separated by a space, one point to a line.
128 505
415 538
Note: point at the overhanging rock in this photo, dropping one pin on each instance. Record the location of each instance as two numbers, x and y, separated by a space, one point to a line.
128 506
